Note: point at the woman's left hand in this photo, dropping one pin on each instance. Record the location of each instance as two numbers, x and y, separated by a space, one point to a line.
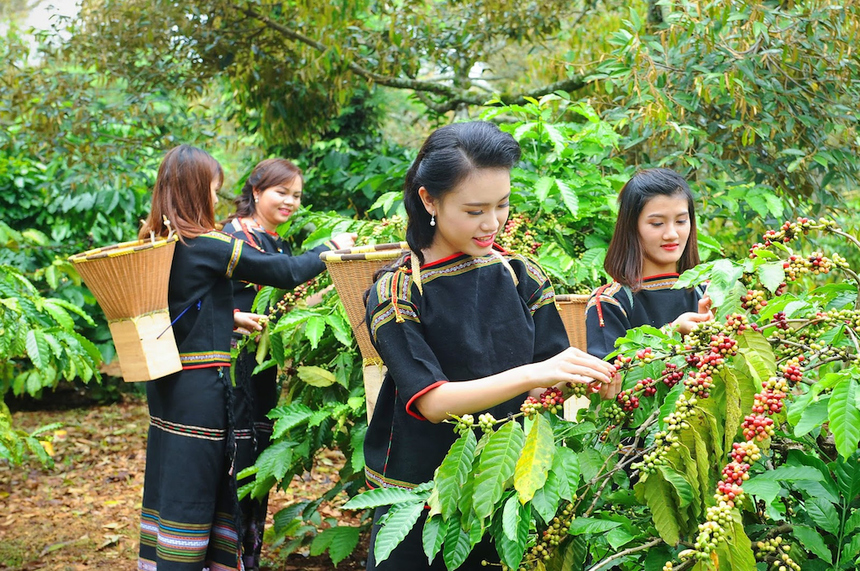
245 323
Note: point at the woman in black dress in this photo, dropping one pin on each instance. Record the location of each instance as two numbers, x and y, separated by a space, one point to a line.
462 325
654 241
272 193
190 516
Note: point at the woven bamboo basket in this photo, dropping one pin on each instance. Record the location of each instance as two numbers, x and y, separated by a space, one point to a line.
352 271
571 307
130 282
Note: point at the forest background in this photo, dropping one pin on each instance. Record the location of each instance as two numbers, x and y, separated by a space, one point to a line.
755 102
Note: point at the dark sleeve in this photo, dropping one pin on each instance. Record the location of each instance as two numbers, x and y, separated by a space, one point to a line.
237 260
606 319
395 328
537 291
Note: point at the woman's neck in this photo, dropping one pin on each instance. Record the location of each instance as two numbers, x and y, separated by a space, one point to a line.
253 222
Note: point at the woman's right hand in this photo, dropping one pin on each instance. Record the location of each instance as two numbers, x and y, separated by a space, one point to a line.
574 366
245 323
343 241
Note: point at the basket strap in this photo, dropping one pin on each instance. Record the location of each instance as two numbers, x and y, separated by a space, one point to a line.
416 271
507 266
197 303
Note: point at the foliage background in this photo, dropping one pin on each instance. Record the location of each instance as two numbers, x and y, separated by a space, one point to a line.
753 101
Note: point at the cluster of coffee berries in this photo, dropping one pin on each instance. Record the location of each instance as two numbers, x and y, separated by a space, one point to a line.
464 424
517 237
729 487
645 355
848 316
614 413
774 552
753 301
394 226
646 387
791 370
758 427
486 422
553 535
790 230
579 389
667 439
671 375
550 400
627 400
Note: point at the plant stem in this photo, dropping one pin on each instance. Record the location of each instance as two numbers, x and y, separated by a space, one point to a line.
621 554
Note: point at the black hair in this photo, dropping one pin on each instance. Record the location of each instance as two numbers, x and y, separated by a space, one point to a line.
448 156
624 257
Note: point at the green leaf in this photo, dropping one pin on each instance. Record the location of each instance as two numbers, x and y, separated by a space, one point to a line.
853 522
845 417
516 520
288 417
739 546
757 354
682 488
59 314
316 376
340 542
851 549
381 497
535 460
314 330
433 535
582 525
452 473
568 196
38 349
275 460
848 475
771 275
733 406
457 546
812 541
496 466
823 514
542 188
813 417
399 521
568 462
658 497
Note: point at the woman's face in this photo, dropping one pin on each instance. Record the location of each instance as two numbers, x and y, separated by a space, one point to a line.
213 189
470 215
277 203
664 227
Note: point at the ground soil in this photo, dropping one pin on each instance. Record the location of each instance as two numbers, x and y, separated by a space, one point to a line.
84 513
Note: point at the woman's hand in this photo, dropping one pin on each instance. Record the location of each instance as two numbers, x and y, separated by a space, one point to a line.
343 241
685 322
245 323
575 366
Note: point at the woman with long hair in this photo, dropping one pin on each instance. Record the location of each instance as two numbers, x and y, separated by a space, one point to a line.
463 326
654 241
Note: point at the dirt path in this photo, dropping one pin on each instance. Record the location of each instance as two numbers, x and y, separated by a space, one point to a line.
83 514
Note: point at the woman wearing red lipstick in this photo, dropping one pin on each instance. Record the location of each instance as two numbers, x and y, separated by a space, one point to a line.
272 193
463 326
654 241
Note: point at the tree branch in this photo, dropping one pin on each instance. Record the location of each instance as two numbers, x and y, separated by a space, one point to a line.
453 97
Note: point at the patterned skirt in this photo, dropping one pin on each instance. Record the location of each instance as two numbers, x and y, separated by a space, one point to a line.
190 508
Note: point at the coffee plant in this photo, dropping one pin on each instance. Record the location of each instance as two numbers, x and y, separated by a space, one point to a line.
39 346
323 404
733 447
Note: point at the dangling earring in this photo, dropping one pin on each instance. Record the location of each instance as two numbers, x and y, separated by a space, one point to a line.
256 200
432 220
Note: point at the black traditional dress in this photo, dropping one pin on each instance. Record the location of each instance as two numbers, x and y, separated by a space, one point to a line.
476 317
614 308
256 395
190 506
